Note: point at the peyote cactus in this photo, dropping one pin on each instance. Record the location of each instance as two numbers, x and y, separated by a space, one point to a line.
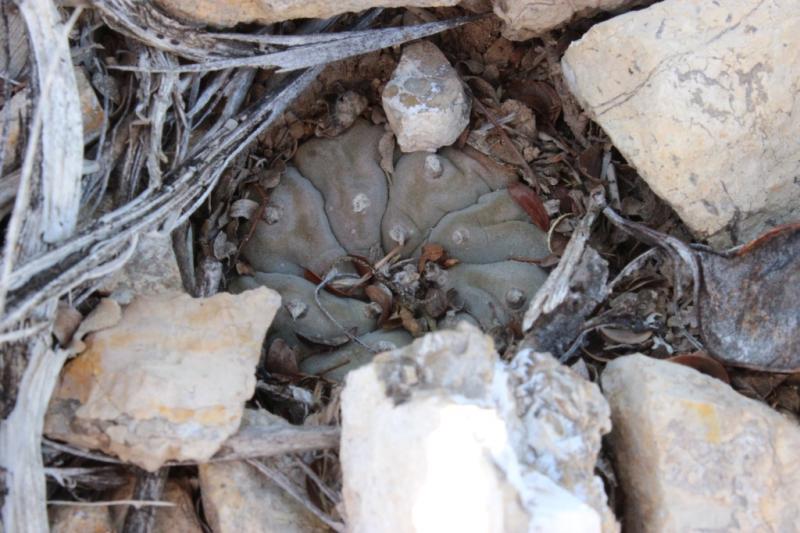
337 202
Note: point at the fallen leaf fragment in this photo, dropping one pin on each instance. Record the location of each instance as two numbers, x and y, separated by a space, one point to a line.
281 359
430 252
530 202
383 297
539 96
750 302
624 336
702 363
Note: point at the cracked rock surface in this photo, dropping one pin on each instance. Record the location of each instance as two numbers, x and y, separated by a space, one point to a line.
696 455
335 200
165 379
443 436
702 98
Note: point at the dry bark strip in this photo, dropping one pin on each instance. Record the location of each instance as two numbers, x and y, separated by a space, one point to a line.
45 208
149 487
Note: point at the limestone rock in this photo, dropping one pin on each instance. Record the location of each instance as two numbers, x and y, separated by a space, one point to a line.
695 455
75 519
425 102
169 381
525 19
443 436
232 12
237 498
153 269
702 98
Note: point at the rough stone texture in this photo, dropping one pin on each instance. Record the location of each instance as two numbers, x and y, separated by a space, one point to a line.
425 102
237 498
69 519
232 12
20 108
442 436
525 19
169 381
152 270
336 200
702 98
694 455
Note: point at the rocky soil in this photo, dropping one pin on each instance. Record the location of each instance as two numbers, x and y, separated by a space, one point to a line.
537 272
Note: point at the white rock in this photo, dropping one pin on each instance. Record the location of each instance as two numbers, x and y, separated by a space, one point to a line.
433 440
425 101
169 381
153 269
525 19
232 12
702 97
694 455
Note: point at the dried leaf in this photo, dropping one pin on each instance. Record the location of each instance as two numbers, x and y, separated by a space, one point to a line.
243 208
530 202
702 363
624 336
430 252
548 261
750 302
222 247
539 96
590 162
281 359
436 302
450 262
308 275
411 324
382 296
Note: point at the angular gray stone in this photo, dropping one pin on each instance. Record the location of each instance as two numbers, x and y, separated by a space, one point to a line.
425 101
694 455
702 97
